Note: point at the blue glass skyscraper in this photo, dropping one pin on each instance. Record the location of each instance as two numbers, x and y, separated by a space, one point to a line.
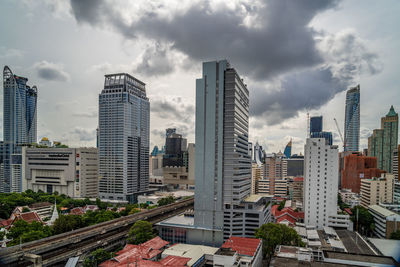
124 124
19 127
352 120
316 124
288 149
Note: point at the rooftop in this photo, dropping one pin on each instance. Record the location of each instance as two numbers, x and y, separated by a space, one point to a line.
382 211
242 245
194 252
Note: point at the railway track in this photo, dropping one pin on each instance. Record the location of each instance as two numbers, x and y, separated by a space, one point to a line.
60 247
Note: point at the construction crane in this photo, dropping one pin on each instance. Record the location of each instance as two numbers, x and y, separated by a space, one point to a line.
340 133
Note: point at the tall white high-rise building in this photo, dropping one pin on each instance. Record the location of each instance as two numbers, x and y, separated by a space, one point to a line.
321 184
223 202
123 136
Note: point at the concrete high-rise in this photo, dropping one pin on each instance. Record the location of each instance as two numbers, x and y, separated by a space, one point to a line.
352 120
320 185
124 123
19 127
384 141
395 163
223 164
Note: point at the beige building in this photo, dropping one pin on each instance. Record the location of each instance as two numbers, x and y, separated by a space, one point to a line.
386 221
377 190
69 171
279 189
256 175
296 188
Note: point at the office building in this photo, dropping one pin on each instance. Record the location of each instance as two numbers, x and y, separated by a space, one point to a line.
395 163
274 171
384 141
320 185
288 150
19 127
223 165
296 187
357 167
326 135
258 154
350 198
295 166
256 175
377 190
275 187
69 171
352 120
316 124
386 221
175 146
169 131
124 124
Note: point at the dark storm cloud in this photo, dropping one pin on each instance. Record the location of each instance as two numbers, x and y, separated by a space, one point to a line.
280 41
172 109
277 44
50 71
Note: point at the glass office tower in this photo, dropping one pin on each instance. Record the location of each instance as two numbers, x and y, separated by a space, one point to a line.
19 127
124 123
352 120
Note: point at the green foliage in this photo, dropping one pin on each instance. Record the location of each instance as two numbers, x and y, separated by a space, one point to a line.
395 235
166 201
66 223
365 220
25 209
281 205
277 234
140 232
2 234
97 257
26 232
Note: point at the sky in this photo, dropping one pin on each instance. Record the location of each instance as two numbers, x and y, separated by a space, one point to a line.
296 57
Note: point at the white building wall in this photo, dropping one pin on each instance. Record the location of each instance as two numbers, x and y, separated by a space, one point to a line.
320 177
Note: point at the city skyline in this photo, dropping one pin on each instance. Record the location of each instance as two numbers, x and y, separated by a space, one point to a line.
63 76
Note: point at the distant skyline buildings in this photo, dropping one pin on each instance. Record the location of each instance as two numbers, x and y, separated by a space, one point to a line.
19 127
384 141
124 128
316 124
352 120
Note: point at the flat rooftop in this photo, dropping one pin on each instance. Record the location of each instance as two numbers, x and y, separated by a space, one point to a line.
353 243
384 212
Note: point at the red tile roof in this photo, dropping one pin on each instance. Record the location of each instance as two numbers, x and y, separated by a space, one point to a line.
286 212
156 243
5 223
298 179
242 245
29 217
288 218
348 211
136 253
77 211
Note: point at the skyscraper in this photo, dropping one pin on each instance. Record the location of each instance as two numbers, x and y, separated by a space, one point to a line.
124 122
352 120
384 141
288 149
19 127
223 164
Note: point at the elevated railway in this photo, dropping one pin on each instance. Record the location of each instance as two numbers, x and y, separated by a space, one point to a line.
55 250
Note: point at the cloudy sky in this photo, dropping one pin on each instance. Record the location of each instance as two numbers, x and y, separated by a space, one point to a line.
295 56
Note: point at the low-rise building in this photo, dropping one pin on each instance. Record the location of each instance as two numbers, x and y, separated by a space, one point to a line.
43 209
350 198
296 187
386 221
273 187
69 171
286 216
377 190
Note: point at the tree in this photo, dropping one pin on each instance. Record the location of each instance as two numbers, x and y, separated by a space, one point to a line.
97 257
281 205
67 223
365 220
277 234
395 235
166 201
140 232
23 232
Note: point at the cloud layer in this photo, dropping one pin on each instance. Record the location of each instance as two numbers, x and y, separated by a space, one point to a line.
50 71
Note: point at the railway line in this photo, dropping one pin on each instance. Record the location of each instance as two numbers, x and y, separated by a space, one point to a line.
58 248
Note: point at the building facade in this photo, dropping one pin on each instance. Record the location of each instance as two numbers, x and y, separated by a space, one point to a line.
386 221
19 127
274 171
124 124
223 164
69 171
320 185
316 124
384 141
352 120
357 167
377 190
395 163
